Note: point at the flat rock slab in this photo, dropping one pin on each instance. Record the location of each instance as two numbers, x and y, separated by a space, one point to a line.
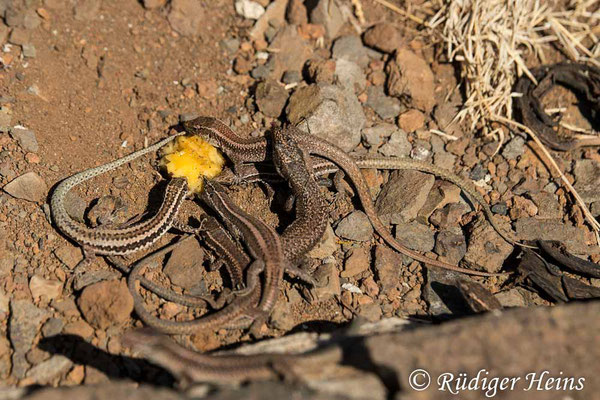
29 186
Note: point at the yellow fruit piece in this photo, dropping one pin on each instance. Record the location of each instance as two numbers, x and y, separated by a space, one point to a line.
192 158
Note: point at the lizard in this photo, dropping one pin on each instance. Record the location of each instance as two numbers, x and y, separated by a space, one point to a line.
117 241
190 367
297 238
242 150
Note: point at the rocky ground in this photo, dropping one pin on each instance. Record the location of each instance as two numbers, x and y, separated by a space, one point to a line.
84 82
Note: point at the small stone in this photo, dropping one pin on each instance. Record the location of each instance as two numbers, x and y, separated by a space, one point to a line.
487 249
522 207
184 263
282 318
441 194
386 107
230 45
87 9
440 293
511 298
26 139
350 75
78 328
409 75
249 9
444 115
151 4
327 274
383 36
261 72
587 179
514 148
46 371
39 286
355 226
29 50
500 208
69 255
53 327
371 312
375 135
397 146
25 322
321 71
106 303
296 13
411 120
28 186
548 229
186 17
329 15
326 246
416 236
444 160
351 48
356 263
329 112
270 98
291 77
452 246
403 196
19 36
4 31
288 38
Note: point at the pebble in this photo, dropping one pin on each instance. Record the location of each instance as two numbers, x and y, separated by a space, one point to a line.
327 274
39 286
356 226
321 71
403 195
79 328
282 317
356 262
511 298
29 50
409 75
587 179
350 75
4 31
291 77
383 36
371 312
270 98
397 146
186 18
351 48
28 186
106 303
151 4
288 38
46 371
411 120
249 9
261 72
487 249
26 138
386 107
184 264
70 256
375 135
444 115
440 293
230 45
415 236
19 36
548 229
296 13
86 9
328 14
25 322
329 112
450 245
500 208
444 160
514 148
326 246
53 327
